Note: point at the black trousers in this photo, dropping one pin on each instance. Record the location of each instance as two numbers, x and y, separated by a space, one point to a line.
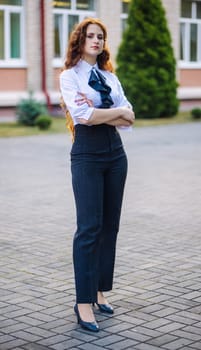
99 168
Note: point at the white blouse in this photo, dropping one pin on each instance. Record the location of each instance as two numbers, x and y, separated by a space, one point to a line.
76 79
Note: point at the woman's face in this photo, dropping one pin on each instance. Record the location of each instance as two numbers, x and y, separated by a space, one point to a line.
94 43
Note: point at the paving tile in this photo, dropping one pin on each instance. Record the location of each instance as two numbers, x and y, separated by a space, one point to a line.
88 346
140 317
20 312
189 347
151 333
146 347
110 339
119 327
9 308
42 317
157 323
165 311
162 340
170 327
196 345
67 327
188 335
41 332
192 329
55 310
178 344
4 338
86 336
13 344
191 295
26 336
13 328
181 319
67 344
133 334
52 340
124 344
7 322
29 321
33 346
52 324
190 315
151 309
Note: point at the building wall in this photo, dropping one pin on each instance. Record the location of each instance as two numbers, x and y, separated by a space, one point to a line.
32 25
13 79
57 72
49 45
28 78
190 77
110 15
172 8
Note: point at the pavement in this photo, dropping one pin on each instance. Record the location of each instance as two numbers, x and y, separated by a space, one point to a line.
157 286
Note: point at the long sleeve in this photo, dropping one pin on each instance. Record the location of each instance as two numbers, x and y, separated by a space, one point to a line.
69 89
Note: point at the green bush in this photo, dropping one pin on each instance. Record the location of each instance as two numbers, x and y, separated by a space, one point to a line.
196 113
145 61
43 122
28 110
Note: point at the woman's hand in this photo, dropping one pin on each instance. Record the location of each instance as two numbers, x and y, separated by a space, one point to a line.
83 99
128 115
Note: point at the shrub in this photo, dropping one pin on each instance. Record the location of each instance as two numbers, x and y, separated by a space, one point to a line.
43 122
145 61
196 113
28 110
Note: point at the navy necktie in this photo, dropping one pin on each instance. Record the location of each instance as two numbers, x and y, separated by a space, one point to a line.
97 82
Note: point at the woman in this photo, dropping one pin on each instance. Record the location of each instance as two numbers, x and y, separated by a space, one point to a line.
98 163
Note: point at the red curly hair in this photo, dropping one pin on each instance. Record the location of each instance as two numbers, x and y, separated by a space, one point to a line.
75 51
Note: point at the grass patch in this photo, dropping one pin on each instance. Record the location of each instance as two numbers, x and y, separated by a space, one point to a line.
12 129
180 118
58 126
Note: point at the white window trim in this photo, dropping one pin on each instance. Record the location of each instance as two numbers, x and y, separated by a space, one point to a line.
187 21
59 61
11 62
124 16
188 64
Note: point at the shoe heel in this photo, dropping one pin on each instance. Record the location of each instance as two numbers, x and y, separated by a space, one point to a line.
105 308
76 313
90 326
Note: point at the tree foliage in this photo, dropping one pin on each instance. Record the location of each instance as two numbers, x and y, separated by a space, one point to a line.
146 63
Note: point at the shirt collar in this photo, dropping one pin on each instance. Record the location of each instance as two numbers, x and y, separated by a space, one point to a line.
86 66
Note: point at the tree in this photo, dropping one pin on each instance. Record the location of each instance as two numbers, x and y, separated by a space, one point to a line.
146 63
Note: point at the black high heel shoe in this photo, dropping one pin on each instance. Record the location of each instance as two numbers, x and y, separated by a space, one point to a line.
90 326
105 308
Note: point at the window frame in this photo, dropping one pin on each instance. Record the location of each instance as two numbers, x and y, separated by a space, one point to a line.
8 62
58 61
185 62
123 18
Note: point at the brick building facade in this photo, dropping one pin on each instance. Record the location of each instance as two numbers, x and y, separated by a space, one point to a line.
30 60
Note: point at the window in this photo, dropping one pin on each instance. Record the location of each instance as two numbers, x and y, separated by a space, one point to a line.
66 15
11 33
190 33
124 15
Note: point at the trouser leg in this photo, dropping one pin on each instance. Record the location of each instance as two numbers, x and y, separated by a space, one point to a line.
87 179
114 182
